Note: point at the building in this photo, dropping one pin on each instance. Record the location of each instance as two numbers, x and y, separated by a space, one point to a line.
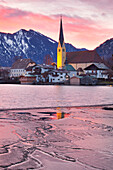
49 75
97 70
88 80
19 67
42 68
61 50
45 74
75 80
82 59
42 72
58 76
28 79
4 73
71 70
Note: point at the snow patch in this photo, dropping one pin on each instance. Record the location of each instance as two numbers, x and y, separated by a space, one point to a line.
25 46
20 32
15 37
51 41
32 46
28 38
10 42
40 33
5 38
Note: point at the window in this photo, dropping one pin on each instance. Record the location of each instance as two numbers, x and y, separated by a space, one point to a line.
59 50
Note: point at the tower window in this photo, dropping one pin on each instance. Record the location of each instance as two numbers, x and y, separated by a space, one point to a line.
63 50
59 50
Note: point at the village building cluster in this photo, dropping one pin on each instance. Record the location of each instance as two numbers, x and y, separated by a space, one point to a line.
80 67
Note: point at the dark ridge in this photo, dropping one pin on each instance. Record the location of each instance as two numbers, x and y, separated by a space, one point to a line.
55 107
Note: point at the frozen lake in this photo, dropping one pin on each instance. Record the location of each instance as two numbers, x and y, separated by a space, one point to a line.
35 139
29 96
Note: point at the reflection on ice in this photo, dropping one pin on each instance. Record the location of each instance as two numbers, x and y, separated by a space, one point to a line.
59 114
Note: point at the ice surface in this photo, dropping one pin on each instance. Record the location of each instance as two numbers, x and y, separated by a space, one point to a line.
78 138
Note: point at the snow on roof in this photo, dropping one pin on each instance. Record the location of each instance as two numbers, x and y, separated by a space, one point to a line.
100 66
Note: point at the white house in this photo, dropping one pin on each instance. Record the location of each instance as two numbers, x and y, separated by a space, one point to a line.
19 67
49 74
42 68
58 76
97 70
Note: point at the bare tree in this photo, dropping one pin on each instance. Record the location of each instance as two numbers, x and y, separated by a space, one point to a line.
48 60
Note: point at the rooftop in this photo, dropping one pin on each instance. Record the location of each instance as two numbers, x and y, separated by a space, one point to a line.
83 57
21 63
97 66
69 67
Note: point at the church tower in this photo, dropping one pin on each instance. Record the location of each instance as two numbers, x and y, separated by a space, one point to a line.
61 50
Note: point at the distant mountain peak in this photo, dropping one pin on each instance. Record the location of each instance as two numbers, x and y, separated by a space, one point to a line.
28 44
105 50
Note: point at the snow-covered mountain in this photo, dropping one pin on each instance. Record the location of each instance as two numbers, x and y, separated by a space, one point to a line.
105 50
28 44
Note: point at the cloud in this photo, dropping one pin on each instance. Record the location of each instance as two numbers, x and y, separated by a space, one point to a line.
84 32
3 1
80 31
99 4
6 12
14 19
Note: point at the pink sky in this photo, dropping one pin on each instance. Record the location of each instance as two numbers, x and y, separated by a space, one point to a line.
86 23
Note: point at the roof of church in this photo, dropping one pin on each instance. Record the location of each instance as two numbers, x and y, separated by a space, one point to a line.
83 57
61 35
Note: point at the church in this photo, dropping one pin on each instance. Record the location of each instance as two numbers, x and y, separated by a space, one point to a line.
76 62
77 59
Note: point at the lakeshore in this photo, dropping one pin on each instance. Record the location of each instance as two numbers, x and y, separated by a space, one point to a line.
99 83
74 138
